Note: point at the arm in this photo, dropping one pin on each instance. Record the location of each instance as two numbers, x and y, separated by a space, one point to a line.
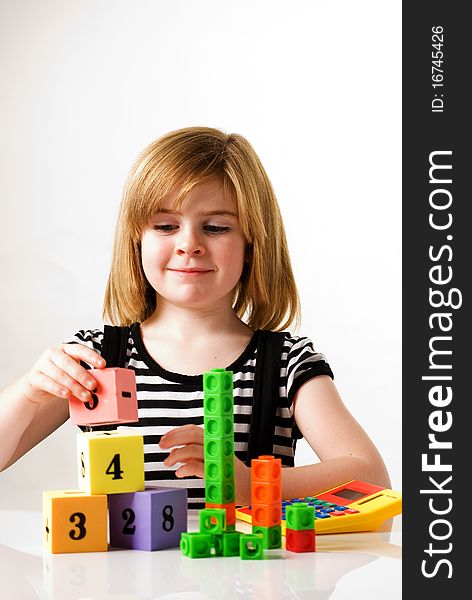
345 450
343 447
24 423
37 404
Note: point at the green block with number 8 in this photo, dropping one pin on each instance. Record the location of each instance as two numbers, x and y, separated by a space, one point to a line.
110 462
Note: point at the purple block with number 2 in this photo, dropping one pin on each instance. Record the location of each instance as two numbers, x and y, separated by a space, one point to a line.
148 520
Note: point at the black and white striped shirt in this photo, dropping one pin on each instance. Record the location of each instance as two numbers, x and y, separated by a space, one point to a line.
167 400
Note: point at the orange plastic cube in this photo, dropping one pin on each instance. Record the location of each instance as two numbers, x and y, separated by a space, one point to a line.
230 511
73 521
114 400
266 469
266 493
266 515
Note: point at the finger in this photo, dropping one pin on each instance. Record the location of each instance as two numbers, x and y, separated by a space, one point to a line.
65 381
191 468
46 384
72 369
185 434
184 454
91 357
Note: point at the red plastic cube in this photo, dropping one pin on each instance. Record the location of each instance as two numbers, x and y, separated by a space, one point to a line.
300 540
114 400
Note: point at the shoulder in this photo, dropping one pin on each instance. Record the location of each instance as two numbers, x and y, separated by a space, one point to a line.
297 349
93 338
301 361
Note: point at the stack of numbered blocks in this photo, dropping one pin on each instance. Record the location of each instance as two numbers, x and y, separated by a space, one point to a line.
111 482
300 527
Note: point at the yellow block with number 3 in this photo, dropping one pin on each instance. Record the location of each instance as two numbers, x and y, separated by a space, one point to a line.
74 522
110 462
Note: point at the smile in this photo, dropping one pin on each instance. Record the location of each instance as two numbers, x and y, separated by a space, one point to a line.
190 272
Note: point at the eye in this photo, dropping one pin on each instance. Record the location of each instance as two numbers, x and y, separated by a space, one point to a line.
165 228
215 229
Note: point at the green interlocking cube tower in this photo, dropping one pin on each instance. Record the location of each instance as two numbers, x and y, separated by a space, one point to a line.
218 445
217 535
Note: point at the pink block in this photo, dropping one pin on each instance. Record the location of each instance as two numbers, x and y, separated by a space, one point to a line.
114 400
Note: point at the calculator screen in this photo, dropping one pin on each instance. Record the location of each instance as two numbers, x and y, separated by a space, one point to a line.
350 494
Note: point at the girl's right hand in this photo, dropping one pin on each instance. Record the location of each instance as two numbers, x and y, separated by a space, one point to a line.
58 373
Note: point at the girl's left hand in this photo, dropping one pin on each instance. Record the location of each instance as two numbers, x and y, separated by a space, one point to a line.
189 438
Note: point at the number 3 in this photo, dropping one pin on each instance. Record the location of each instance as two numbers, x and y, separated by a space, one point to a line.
80 534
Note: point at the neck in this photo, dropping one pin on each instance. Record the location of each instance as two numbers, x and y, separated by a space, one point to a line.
182 323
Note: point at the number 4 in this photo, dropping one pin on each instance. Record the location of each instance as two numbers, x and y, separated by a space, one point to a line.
114 468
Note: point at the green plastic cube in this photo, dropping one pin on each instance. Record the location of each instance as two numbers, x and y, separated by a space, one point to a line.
219 470
272 536
218 405
212 520
300 516
251 546
216 448
217 543
218 381
219 427
219 492
195 545
231 542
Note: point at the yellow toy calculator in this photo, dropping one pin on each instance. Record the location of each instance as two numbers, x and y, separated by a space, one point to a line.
350 507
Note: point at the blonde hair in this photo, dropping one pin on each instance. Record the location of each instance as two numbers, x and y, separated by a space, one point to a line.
266 296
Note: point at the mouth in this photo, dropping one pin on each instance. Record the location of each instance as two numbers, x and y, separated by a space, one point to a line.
190 272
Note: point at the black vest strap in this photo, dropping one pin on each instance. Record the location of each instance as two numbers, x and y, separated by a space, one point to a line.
266 394
115 342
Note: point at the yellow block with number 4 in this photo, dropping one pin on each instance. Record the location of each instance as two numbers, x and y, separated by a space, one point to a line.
74 522
110 462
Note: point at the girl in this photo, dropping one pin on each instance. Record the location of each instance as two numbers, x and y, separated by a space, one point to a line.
200 267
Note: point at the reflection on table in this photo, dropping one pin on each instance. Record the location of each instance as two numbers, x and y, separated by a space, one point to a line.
368 562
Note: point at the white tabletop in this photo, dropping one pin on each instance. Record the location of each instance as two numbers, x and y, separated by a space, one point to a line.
345 566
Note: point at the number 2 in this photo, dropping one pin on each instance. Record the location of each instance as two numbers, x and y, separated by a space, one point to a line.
129 516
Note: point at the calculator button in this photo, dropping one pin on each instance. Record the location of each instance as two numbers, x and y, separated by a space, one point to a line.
337 513
340 507
321 515
351 511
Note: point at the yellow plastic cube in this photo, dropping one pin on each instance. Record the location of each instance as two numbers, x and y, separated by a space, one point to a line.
74 522
110 462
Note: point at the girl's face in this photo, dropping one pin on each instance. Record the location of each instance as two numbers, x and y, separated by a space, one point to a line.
194 257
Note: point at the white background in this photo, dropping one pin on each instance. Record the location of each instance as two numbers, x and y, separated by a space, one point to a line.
313 85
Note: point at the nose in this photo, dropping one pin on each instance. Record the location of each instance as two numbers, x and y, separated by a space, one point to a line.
189 243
